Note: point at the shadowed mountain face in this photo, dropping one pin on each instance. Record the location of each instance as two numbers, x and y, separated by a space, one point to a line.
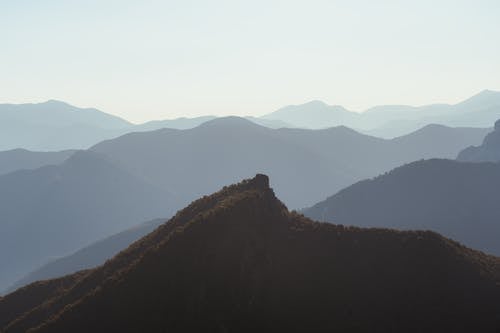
21 159
305 165
56 210
238 261
90 256
389 121
458 200
489 151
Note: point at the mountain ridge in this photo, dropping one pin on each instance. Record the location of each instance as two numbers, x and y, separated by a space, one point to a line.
238 260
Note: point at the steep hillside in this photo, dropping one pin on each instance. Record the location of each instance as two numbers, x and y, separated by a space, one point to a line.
90 256
238 261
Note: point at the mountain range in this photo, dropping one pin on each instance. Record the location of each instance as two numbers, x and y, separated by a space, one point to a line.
95 193
458 200
389 121
55 125
305 165
239 261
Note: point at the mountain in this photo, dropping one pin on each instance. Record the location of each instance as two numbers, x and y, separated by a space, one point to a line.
314 115
56 210
22 159
55 125
389 121
239 261
305 165
458 200
90 256
489 151
178 123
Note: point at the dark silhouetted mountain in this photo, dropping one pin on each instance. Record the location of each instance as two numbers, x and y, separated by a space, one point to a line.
238 261
21 159
489 151
56 210
305 165
90 256
389 121
458 200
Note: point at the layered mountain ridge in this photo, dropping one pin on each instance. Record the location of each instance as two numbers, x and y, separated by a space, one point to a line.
238 260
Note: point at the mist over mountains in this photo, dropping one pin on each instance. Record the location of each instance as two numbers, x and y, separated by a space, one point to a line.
390 121
55 125
71 211
305 165
146 175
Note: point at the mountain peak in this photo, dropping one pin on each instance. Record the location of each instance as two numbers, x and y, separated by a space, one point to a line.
260 181
316 102
230 121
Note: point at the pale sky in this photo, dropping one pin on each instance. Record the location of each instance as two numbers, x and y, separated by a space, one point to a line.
146 60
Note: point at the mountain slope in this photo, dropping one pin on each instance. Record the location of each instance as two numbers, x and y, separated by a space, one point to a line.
458 200
488 151
55 210
305 165
21 159
90 256
238 261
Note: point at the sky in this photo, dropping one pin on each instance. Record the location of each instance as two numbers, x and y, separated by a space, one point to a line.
144 60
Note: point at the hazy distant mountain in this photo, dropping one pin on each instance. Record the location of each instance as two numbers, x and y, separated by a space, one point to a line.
305 164
90 256
55 125
238 261
315 115
389 121
459 200
271 123
20 159
178 123
55 210
489 151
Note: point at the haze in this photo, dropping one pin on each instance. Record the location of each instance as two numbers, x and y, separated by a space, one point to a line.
145 60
